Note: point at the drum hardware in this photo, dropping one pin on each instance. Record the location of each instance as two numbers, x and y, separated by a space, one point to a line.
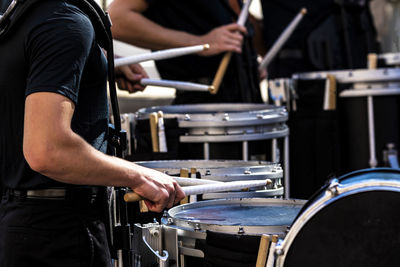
370 93
281 40
350 194
390 156
282 92
227 57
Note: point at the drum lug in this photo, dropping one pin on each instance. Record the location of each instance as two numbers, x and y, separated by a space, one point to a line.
279 251
226 117
333 187
241 231
197 227
165 219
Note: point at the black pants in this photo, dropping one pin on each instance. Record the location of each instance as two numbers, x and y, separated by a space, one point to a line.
37 232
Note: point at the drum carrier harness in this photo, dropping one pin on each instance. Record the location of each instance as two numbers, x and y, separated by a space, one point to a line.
117 140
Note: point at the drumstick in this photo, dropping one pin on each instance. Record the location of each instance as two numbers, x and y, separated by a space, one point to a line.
244 13
208 188
154 132
184 173
162 140
330 93
271 256
182 181
183 86
162 54
282 40
262 251
372 61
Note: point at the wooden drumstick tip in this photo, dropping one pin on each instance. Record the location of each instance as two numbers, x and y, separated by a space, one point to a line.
268 182
212 90
303 11
274 238
206 46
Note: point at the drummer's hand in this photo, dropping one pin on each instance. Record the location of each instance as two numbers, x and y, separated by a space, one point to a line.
223 39
128 77
159 190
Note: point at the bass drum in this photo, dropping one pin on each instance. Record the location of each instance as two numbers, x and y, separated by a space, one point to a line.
352 221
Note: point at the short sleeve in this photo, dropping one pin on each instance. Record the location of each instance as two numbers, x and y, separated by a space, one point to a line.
57 50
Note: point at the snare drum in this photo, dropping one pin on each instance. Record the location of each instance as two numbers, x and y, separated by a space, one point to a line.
208 124
352 221
227 171
189 229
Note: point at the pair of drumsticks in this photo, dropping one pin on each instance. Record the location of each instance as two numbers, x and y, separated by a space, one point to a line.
202 186
263 251
214 87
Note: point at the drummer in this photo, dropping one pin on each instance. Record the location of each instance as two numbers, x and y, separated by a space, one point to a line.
167 24
53 164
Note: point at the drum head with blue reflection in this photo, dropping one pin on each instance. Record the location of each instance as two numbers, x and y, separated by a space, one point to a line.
226 215
362 228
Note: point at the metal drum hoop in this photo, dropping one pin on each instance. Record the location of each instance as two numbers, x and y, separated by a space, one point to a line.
353 76
191 226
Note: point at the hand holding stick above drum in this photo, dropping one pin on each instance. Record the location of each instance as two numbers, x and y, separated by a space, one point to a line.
208 188
281 40
162 54
244 13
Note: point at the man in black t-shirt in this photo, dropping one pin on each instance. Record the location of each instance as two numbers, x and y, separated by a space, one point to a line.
53 137
162 24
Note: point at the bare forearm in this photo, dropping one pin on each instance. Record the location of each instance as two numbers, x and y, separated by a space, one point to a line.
133 28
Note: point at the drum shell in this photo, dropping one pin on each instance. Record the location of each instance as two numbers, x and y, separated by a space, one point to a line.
223 126
354 216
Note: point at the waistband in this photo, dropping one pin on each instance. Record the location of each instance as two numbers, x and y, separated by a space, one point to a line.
87 194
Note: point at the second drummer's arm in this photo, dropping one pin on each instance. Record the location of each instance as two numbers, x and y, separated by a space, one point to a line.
54 150
130 26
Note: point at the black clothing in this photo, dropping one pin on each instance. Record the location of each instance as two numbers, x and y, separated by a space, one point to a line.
53 50
334 34
30 228
198 17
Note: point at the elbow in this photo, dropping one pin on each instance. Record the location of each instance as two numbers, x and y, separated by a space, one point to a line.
39 158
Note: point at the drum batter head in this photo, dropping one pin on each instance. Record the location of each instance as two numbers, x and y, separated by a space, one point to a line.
359 227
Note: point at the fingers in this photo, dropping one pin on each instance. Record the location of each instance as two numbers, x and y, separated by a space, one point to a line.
129 77
160 191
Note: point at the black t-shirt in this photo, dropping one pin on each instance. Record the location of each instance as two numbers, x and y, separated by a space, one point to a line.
240 83
52 49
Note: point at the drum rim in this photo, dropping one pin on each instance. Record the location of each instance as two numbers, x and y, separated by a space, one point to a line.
350 76
330 193
211 108
185 225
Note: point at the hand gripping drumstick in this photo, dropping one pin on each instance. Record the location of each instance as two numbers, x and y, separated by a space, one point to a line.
162 54
244 13
208 188
281 40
